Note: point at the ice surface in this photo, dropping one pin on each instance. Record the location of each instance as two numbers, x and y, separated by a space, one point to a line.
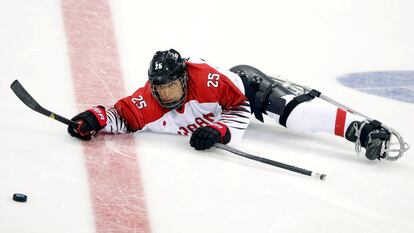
397 85
310 42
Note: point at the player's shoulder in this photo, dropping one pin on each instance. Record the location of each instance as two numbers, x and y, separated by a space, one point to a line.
200 68
202 71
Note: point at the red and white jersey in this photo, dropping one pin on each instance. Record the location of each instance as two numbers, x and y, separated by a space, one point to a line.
213 95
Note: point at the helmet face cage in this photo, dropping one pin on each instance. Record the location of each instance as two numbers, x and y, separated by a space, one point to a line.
173 104
166 67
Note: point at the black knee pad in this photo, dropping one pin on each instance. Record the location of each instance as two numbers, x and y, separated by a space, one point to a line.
263 93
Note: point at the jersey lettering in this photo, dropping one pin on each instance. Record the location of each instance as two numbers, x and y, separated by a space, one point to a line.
209 117
199 122
183 131
192 127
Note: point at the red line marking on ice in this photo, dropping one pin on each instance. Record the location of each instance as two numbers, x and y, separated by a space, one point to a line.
114 177
340 122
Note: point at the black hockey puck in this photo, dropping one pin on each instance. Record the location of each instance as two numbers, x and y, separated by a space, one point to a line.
19 197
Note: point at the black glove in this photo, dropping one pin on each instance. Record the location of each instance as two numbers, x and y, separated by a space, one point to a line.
205 137
89 123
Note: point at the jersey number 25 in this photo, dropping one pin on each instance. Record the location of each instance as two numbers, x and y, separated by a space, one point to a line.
213 80
139 102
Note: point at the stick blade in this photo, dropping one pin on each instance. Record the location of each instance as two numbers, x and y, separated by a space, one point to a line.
23 95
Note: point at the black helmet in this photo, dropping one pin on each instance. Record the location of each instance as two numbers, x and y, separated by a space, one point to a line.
165 67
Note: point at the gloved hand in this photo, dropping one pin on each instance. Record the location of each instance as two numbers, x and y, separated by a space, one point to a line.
89 123
205 137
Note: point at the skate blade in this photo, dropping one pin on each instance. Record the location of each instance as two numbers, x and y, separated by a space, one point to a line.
395 147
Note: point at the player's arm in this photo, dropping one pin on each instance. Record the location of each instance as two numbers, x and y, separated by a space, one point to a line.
124 117
98 119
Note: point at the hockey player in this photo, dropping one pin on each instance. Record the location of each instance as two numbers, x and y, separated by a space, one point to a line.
190 97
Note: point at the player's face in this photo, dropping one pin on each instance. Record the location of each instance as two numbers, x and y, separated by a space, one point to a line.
171 91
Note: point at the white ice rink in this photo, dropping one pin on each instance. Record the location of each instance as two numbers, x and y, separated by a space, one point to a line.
310 42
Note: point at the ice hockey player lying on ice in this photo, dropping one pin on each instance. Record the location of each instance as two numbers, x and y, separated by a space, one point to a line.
190 97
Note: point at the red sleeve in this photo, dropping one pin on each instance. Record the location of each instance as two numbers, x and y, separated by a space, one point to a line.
139 109
127 110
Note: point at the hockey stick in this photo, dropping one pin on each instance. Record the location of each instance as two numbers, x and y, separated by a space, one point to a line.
28 100
271 162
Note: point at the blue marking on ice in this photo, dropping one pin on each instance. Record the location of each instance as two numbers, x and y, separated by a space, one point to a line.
398 85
